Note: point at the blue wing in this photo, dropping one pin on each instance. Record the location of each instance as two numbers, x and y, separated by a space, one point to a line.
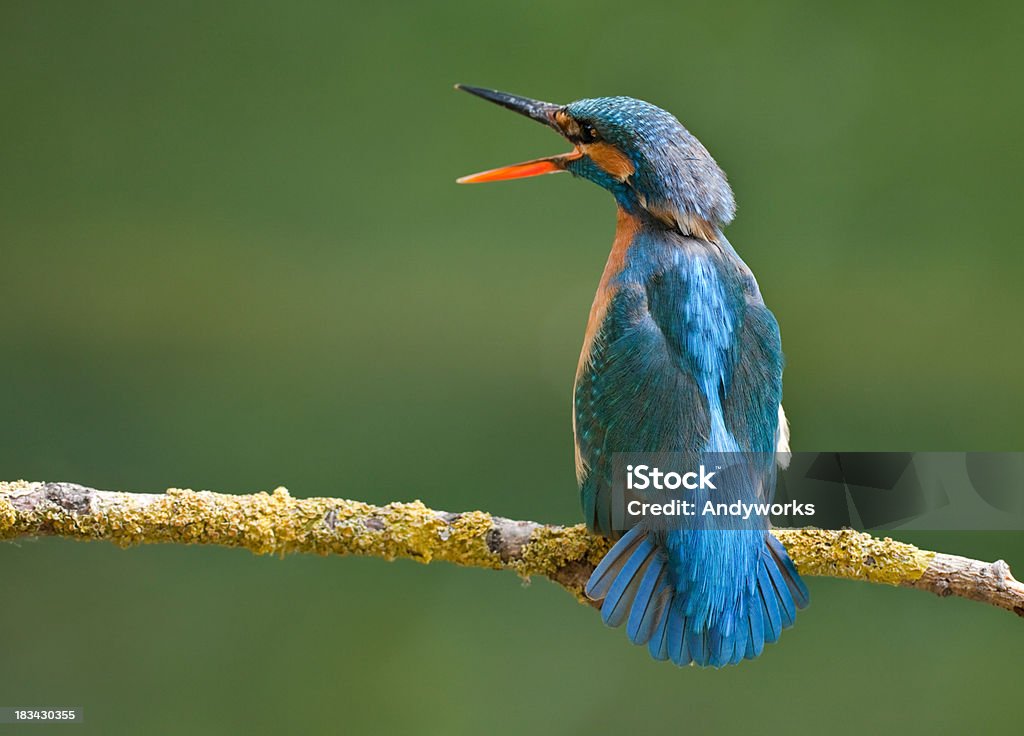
686 359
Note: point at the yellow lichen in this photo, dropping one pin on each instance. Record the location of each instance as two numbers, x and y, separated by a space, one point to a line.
553 547
464 541
854 555
8 519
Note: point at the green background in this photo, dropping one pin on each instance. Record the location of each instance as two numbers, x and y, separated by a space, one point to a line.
233 256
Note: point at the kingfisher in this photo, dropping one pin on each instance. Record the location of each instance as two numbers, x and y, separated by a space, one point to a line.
680 355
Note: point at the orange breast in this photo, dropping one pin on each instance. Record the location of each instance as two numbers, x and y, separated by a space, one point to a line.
625 230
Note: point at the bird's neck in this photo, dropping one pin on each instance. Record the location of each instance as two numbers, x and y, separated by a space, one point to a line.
657 217
644 245
669 230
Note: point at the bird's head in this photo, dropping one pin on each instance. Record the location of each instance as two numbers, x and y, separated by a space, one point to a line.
637 151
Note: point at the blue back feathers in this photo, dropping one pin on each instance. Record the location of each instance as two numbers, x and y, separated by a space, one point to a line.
685 358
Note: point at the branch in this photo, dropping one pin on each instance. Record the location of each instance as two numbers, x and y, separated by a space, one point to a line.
280 524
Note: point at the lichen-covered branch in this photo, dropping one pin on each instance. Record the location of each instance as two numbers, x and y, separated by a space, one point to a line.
278 523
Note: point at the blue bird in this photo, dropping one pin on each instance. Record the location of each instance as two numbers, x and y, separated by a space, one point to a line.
680 355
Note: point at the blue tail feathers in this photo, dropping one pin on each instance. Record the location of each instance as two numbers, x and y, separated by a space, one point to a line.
634 583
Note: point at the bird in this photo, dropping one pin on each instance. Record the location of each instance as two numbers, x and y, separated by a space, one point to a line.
682 355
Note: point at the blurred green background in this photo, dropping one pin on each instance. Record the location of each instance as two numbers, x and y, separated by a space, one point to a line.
234 256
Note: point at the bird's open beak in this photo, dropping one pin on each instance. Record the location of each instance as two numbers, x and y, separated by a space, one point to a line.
543 112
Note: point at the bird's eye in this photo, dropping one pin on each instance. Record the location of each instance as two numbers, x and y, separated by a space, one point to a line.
588 134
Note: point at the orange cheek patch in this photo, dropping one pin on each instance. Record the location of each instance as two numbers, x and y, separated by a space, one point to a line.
611 159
